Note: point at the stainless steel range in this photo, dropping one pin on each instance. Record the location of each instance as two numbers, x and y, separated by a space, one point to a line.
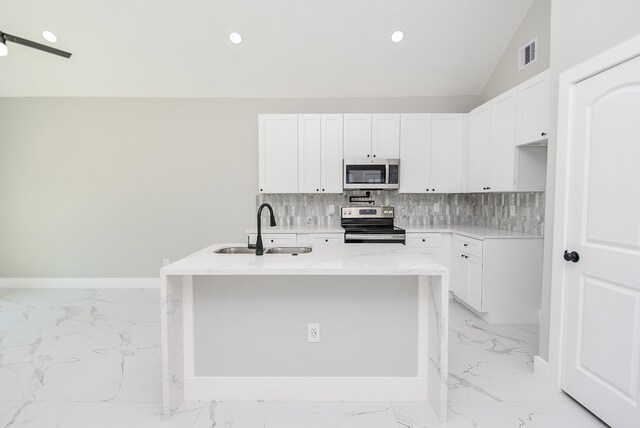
371 224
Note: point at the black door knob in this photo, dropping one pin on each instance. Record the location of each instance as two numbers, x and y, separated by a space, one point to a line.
571 256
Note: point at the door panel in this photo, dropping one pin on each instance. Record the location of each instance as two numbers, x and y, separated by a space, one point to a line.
415 148
601 361
357 136
479 161
503 141
331 162
475 282
534 110
385 139
446 152
278 153
309 153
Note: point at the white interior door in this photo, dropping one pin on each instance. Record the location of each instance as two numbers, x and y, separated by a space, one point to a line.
601 360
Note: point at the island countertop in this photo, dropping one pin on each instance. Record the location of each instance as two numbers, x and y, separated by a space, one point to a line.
348 259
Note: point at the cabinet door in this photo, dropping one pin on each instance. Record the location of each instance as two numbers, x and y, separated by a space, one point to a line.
447 141
415 148
503 141
460 276
385 139
331 158
357 136
278 153
533 117
474 293
309 153
479 149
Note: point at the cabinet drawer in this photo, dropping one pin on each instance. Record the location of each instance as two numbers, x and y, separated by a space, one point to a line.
275 239
326 239
468 245
424 240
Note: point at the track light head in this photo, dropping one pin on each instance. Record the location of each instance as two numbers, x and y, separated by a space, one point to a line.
4 38
4 51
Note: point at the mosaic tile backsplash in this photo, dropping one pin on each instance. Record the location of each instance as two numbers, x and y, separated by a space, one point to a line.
520 212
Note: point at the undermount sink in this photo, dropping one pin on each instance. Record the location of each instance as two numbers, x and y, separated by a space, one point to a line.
235 250
288 250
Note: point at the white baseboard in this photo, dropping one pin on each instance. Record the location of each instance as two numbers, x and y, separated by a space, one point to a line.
79 282
306 388
541 371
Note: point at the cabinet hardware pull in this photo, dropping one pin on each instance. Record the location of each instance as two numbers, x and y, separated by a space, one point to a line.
368 155
466 245
544 134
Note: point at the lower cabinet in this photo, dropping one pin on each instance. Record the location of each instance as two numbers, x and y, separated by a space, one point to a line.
314 239
467 279
500 279
275 239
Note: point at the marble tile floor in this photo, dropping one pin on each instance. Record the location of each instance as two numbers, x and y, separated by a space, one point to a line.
91 358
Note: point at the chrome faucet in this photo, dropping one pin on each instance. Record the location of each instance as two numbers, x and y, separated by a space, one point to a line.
272 222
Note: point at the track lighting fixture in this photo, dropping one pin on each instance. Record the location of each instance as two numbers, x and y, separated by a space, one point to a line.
4 38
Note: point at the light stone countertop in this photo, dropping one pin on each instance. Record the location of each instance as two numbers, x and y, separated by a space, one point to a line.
352 259
477 232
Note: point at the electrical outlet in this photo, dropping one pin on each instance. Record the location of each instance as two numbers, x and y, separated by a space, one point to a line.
512 212
313 332
165 262
332 209
436 208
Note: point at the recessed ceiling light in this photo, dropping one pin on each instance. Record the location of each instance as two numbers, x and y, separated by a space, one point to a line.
235 38
49 36
397 36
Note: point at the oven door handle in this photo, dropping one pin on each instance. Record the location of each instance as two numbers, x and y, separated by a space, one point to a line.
374 236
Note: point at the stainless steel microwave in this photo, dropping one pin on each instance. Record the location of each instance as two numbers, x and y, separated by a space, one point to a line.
370 174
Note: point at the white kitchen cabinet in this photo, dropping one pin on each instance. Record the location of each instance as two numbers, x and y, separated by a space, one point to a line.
431 153
385 136
533 109
499 279
479 149
371 136
320 153
503 141
275 239
278 153
331 137
309 153
447 143
357 136
415 153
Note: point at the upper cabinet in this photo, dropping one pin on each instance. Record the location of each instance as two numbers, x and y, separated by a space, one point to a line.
479 149
431 153
533 109
447 147
300 153
331 136
503 139
385 138
504 149
320 153
415 152
278 153
371 136
357 136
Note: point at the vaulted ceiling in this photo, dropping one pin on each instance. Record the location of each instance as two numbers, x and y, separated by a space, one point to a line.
290 48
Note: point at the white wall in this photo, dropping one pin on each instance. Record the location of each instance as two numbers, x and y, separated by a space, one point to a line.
536 24
108 187
580 29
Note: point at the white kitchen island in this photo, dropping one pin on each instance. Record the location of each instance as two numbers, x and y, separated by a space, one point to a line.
349 264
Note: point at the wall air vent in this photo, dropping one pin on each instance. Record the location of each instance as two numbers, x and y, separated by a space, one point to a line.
528 54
